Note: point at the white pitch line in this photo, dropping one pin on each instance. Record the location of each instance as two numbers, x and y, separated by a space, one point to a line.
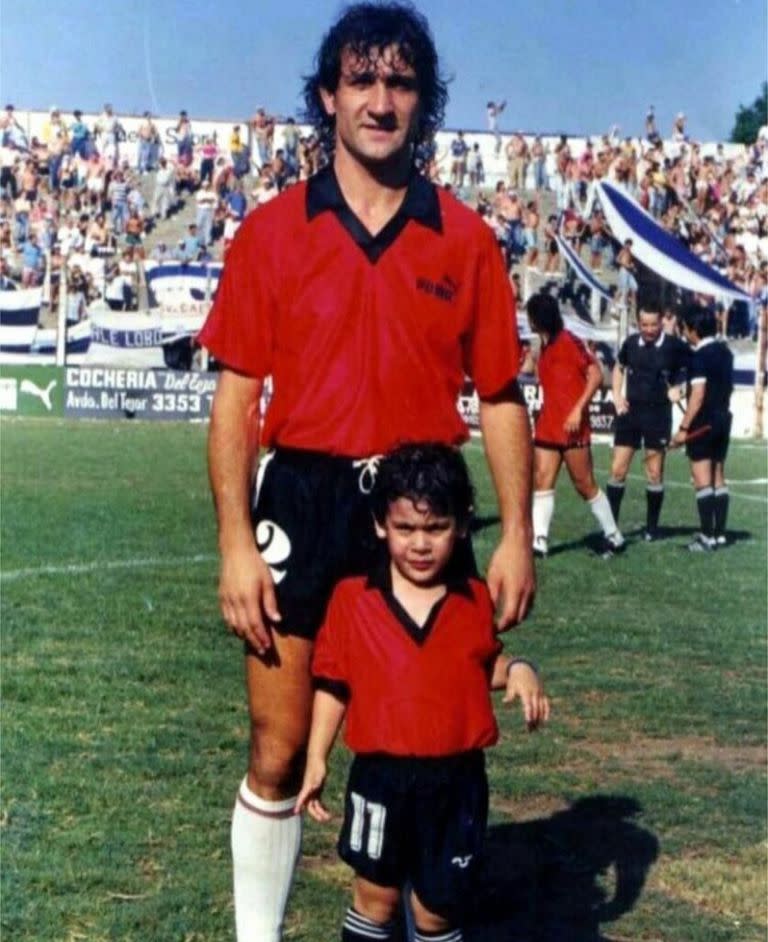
73 569
750 497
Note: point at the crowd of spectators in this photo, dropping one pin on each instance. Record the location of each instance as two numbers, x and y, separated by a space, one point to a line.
72 191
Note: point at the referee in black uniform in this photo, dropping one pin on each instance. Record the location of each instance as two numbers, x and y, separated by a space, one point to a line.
710 384
653 363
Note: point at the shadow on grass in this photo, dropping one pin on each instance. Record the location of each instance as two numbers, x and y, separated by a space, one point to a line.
557 879
593 541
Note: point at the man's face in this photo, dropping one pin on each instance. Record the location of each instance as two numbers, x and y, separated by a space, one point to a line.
376 105
420 542
649 325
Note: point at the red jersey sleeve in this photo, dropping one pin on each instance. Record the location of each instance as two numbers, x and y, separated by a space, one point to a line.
329 658
581 355
492 352
239 327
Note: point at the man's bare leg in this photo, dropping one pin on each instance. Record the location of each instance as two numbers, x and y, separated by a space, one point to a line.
266 835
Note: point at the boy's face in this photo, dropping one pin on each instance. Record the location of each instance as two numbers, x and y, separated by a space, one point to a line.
420 542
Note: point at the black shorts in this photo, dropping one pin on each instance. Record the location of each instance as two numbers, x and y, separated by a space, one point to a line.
313 525
417 821
647 426
713 445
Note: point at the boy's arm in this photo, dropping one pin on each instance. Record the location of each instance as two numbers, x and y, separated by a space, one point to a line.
327 716
519 678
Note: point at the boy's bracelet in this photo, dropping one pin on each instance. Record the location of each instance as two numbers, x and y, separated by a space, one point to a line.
522 660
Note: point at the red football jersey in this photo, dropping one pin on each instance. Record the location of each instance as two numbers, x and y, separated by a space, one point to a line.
413 691
562 369
367 339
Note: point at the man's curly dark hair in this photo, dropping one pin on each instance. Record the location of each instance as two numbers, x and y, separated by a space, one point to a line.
363 27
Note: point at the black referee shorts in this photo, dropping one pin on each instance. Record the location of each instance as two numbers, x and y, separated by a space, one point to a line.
417 820
313 524
644 425
713 445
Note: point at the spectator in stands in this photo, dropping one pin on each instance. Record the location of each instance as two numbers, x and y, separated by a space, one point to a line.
263 130
475 166
236 201
108 134
134 229
32 261
148 143
189 247
206 202
117 193
184 140
208 153
57 141
539 161
164 197
79 136
517 161
459 150
531 232
492 111
12 134
291 146
627 279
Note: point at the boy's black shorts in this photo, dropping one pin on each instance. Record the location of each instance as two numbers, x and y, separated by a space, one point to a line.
713 445
417 820
312 520
649 426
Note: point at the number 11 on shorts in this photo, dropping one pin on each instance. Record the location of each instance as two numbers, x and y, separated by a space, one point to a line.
377 816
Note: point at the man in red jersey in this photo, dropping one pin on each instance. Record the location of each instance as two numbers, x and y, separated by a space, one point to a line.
366 294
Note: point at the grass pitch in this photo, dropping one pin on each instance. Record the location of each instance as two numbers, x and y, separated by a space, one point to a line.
638 814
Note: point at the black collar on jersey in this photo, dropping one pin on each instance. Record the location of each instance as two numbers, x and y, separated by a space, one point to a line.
420 203
381 578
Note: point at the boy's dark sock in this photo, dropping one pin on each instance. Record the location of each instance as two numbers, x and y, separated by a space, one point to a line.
721 510
654 498
445 935
705 504
359 928
615 492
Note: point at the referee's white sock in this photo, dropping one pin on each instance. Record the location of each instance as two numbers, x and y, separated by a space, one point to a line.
266 838
543 509
602 510
359 928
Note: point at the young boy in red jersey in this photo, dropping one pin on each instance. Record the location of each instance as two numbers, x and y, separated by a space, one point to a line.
408 655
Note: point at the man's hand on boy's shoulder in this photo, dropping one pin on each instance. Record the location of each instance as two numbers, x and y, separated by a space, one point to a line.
523 681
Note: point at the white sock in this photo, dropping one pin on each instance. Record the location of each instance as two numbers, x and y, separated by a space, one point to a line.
602 510
266 838
543 509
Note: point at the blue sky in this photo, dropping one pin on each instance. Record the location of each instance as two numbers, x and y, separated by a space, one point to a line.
563 65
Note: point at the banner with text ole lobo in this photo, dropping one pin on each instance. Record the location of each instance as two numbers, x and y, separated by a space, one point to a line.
101 392
601 411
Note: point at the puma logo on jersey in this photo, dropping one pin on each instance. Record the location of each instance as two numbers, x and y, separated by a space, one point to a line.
443 290
462 862
274 546
44 395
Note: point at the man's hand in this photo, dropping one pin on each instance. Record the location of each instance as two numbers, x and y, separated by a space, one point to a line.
512 580
674 393
621 405
678 439
247 596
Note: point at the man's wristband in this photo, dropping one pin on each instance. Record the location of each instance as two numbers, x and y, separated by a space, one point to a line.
522 660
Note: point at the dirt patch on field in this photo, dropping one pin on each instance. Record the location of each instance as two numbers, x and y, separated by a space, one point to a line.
647 752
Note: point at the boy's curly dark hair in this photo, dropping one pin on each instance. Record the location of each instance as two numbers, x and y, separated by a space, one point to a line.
544 314
363 27
425 472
